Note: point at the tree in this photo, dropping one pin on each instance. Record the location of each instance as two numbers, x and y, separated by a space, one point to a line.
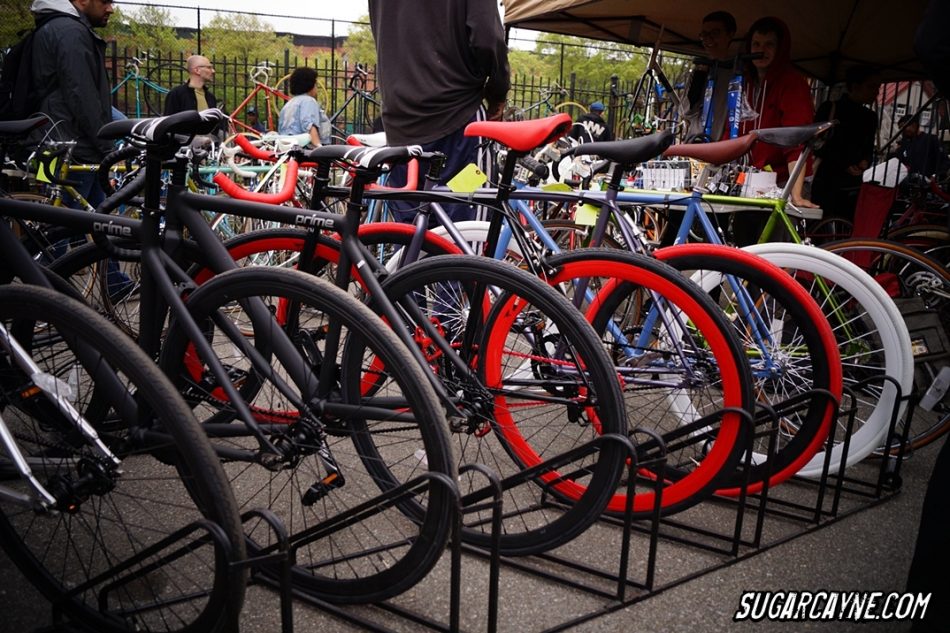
148 29
360 47
16 18
242 36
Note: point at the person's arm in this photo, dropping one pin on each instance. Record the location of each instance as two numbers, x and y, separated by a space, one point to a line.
487 40
78 79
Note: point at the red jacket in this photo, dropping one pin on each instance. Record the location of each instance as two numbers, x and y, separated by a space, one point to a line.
782 99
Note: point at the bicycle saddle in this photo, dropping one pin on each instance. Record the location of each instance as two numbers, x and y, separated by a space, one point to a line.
369 157
718 153
161 129
522 136
792 136
628 151
377 139
13 129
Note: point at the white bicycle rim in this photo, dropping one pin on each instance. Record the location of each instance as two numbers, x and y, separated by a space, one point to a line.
890 327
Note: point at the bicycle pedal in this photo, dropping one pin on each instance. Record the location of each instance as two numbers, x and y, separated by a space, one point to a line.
322 488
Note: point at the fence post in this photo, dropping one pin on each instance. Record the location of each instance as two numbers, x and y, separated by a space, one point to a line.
613 101
560 74
572 92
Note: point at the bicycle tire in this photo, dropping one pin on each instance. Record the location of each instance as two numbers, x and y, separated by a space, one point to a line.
920 236
662 390
909 276
367 561
801 343
165 74
530 404
880 347
97 530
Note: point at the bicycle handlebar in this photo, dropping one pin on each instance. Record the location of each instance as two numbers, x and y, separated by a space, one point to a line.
252 150
239 192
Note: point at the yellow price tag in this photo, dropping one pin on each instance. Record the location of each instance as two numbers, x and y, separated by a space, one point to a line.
43 175
586 214
556 186
467 180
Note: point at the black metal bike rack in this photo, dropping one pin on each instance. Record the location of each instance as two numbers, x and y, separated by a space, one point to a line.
613 586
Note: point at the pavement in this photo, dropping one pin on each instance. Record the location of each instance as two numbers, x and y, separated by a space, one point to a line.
868 547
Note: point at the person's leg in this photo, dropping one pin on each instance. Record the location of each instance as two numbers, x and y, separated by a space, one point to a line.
119 284
928 568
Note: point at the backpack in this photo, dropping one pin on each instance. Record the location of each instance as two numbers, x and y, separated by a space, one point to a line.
18 98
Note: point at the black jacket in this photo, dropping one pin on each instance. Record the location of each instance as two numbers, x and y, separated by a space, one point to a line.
182 98
437 60
69 62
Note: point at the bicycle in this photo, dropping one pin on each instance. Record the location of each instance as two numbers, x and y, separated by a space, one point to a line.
145 90
257 408
365 101
401 243
531 297
260 77
106 471
545 106
866 322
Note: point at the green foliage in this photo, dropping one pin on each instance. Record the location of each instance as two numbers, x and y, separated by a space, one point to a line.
147 29
360 46
15 19
242 36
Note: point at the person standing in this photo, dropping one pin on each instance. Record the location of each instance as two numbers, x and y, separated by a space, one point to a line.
194 93
849 149
254 120
919 150
718 31
302 114
778 96
591 127
69 62
437 64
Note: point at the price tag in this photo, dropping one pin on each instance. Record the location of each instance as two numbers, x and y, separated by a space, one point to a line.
467 180
586 214
47 176
556 186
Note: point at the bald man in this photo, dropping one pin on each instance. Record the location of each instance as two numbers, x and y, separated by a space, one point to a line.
194 94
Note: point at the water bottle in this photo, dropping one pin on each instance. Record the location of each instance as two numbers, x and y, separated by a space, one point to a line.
734 101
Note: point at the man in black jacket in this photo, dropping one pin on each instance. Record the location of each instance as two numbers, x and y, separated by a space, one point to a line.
69 64
437 63
193 94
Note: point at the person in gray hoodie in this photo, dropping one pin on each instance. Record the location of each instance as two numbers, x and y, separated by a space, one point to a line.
69 66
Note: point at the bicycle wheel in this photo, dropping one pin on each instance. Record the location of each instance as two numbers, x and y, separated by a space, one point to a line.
572 108
788 342
921 287
921 236
872 340
154 87
829 230
542 385
678 362
375 441
107 515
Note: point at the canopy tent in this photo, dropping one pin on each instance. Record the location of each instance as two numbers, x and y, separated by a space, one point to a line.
828 36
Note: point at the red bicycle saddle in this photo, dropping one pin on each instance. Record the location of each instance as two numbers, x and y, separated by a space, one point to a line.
522 136
718 153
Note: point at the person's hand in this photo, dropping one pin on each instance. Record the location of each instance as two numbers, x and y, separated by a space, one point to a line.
495 109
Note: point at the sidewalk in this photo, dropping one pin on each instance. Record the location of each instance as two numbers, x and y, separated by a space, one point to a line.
868 550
